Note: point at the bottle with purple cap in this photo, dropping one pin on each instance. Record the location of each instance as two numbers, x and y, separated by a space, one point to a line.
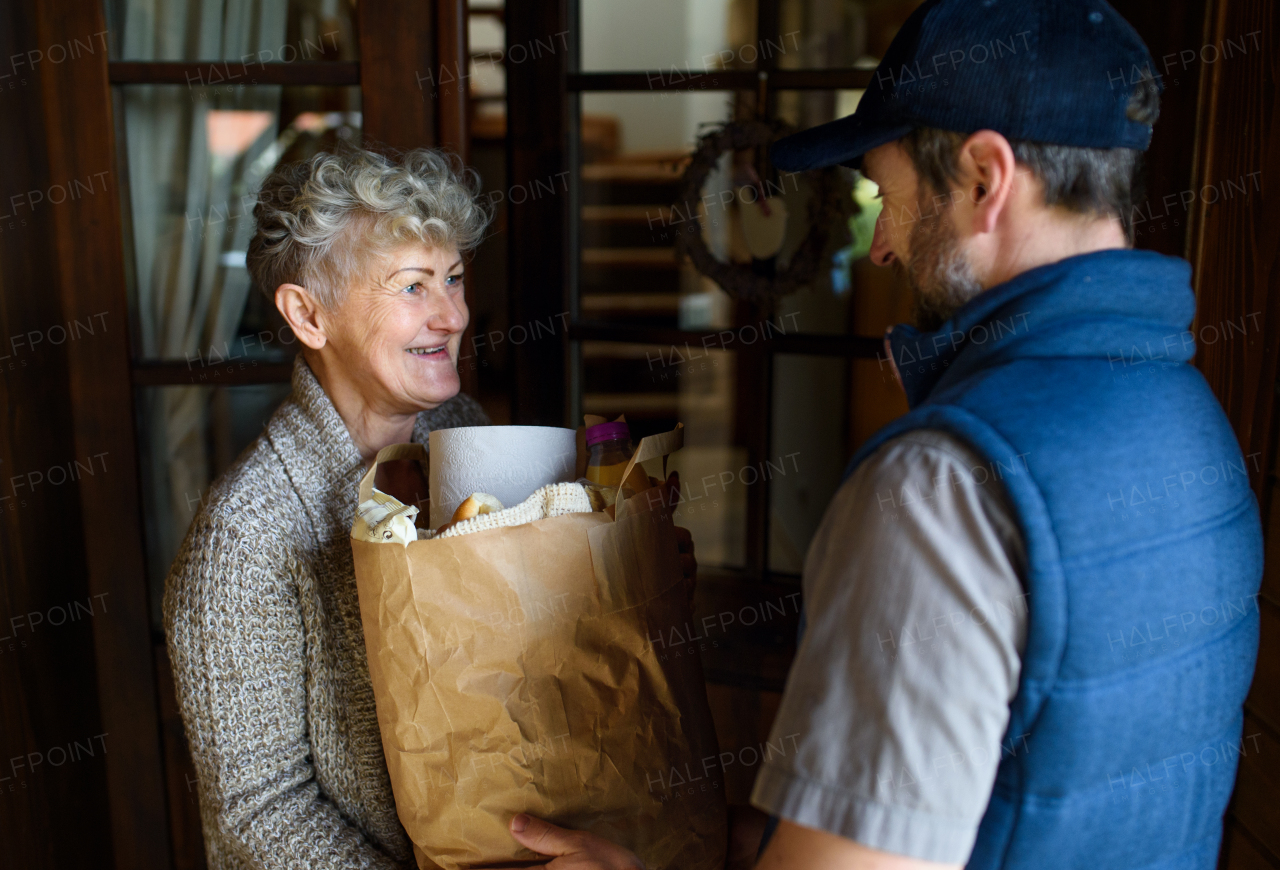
609 450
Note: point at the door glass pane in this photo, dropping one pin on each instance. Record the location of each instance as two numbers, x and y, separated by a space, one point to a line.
826 303
487 37
635 148
191 160
822 34
848 295
810 444
676 37
187 437
656 386
249 33
824 408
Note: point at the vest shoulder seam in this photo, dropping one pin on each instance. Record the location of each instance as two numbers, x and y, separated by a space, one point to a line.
1094 556
1072 685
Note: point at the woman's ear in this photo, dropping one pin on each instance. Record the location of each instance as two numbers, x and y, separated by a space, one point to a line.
301 311
989 169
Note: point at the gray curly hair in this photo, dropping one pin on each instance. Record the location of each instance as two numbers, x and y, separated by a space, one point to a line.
319 221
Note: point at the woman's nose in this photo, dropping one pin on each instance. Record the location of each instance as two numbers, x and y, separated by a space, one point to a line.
449 313
881 254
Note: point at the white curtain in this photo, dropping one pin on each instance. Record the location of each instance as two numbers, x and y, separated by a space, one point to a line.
194 156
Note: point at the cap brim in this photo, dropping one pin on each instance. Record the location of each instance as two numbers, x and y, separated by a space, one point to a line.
839 142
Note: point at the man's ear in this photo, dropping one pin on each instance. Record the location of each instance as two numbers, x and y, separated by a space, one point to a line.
300 309
989 170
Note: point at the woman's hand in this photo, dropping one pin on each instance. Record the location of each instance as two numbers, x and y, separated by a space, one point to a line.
570 850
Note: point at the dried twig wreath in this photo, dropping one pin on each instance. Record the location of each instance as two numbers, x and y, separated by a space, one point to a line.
829 209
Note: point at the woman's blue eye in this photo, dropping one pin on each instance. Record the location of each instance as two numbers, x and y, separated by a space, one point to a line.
412 288
453 279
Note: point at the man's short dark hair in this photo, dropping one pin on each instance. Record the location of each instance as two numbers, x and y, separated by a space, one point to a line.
1098 181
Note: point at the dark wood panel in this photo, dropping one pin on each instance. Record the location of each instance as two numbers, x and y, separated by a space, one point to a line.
745 633
746 630
1264 697
1169 29
399 74
1240 851
233 373
677 79
87 276
1257 783
538 228
233 73
50 815
1271 562
1233 244
454 55
854 346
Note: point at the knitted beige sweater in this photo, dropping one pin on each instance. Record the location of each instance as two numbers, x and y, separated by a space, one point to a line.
268 654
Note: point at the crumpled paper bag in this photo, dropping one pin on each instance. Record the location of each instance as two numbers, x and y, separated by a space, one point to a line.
514 672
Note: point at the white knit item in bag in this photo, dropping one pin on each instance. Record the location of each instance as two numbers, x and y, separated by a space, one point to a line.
552 500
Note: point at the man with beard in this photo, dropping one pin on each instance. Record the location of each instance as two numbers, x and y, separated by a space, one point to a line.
997 666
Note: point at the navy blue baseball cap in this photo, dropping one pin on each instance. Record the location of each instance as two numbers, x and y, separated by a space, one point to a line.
1050 71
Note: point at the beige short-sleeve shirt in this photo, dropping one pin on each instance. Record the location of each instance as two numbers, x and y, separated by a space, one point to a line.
898 699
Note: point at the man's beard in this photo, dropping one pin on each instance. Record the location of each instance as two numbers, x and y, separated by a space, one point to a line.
939 275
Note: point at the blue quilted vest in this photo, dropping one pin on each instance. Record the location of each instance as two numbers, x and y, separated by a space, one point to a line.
1144 557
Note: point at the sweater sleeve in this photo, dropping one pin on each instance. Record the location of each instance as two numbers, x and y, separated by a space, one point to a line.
236 640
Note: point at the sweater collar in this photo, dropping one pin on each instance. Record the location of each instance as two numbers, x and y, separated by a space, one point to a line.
1125 306
319 454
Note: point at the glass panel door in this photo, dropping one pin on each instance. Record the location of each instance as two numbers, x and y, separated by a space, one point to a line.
809 387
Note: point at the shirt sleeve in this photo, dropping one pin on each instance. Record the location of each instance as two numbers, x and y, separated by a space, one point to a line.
892 723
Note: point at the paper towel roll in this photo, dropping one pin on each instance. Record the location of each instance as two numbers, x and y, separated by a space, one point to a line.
509 462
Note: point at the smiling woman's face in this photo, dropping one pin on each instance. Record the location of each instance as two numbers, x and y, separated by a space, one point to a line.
398 329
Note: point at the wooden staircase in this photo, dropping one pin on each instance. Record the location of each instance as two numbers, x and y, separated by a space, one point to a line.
629 276
629 273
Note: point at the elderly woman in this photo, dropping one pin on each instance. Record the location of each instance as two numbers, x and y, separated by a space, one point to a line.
363 257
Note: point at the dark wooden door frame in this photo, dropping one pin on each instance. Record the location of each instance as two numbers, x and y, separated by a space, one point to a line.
1233 243
1232 238
90 278
538 151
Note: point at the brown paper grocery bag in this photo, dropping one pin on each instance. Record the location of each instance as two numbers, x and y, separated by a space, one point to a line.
514 672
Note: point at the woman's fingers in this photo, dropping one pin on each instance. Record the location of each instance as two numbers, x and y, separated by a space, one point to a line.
577 849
